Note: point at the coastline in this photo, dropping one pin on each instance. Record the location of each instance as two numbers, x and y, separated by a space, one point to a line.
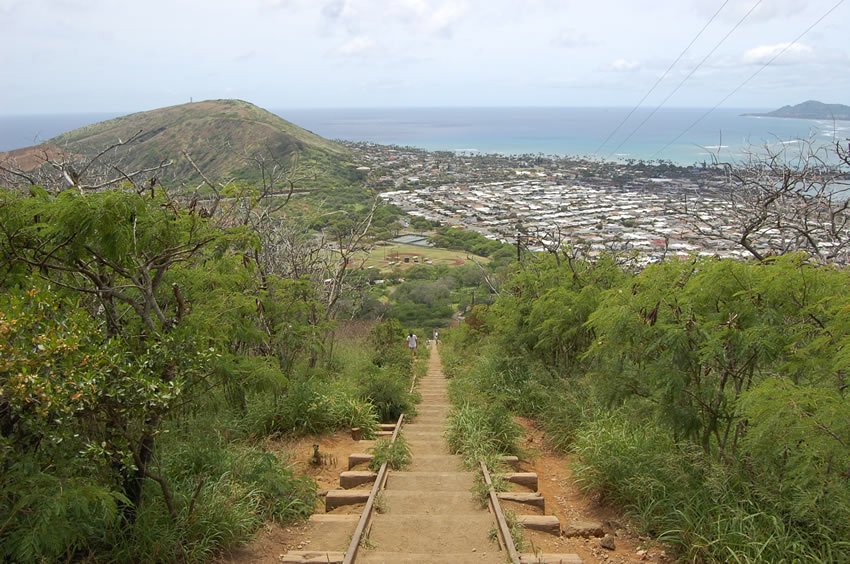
563 132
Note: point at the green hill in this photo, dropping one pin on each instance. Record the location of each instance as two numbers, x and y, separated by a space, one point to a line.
220 136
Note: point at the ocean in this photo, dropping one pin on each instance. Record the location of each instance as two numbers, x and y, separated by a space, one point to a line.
551 131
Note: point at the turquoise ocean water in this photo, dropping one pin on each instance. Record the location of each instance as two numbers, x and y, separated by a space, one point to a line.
551 131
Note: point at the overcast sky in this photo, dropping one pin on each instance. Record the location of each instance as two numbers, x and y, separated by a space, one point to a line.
65 56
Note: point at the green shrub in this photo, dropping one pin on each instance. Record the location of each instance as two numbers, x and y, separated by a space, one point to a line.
565 408
395 454
388 346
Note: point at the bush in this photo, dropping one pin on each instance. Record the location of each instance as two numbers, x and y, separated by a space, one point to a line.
706 397
388 390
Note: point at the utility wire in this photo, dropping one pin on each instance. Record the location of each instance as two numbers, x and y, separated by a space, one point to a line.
662 77
690 74
752 76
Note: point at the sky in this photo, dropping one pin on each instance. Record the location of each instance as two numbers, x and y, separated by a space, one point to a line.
81 56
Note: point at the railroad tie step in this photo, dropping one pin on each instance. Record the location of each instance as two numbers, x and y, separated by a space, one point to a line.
354 478
334 518
356 458
338 498
387 426
357 435
379 557
542 558
312 556
509 459
527 479
545 523
528 498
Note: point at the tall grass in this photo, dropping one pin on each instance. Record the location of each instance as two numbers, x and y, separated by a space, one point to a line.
310 406
481 431
45 517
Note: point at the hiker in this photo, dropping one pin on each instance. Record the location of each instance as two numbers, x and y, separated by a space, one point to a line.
411 343
436 336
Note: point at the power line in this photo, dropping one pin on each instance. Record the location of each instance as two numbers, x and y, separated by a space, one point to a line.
752 76
662 77
690 74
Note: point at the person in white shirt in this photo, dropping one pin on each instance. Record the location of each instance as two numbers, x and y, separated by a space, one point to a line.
411 343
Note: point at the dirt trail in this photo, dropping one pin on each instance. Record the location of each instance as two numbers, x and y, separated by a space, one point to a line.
428 513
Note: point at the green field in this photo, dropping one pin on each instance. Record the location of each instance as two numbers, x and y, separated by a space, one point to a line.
392 256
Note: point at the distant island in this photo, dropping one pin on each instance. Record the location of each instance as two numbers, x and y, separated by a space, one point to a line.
811 109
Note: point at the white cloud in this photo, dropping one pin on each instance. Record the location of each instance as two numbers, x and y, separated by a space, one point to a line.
764 12
624 65
9 6
277 4
571 38
386 17
357 46
417 7
794 54
442 20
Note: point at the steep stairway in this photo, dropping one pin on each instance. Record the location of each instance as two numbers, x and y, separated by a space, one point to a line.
429 514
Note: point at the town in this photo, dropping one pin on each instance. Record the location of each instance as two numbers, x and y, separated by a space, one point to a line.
552 201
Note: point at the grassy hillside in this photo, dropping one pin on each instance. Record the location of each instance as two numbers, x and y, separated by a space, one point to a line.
219 135
390 256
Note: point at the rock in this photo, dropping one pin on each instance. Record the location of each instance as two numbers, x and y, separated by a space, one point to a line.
585 529
641 554
607 542
613 524
474 549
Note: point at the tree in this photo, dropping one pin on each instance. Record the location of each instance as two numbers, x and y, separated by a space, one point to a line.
55 170
114 251
781 201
